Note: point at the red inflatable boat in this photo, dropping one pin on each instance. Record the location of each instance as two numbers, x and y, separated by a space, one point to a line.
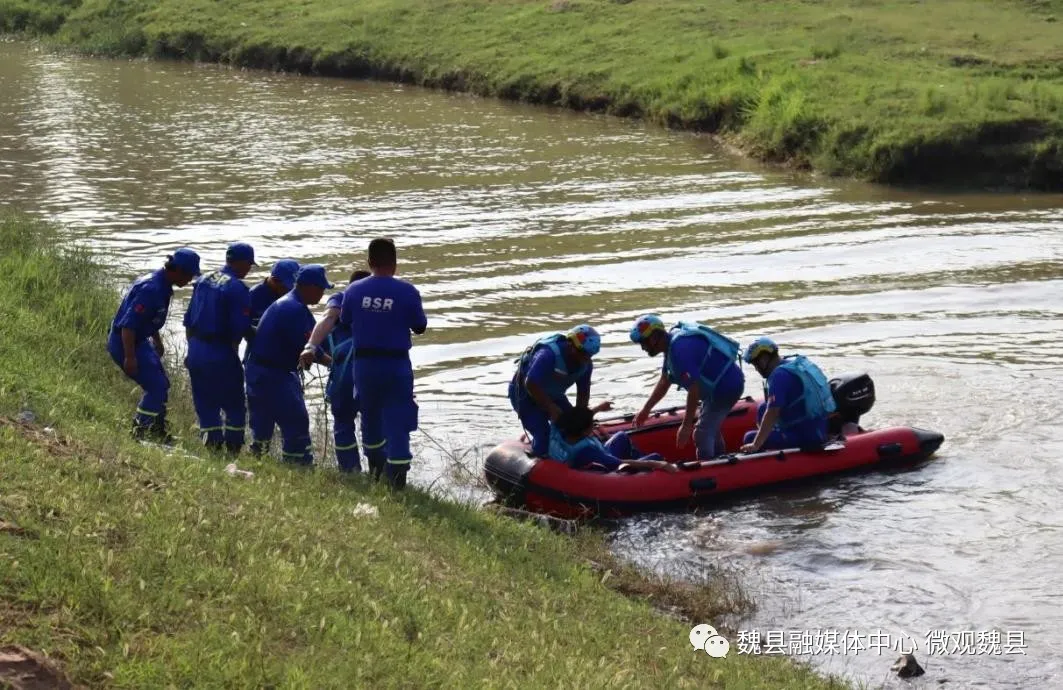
551 487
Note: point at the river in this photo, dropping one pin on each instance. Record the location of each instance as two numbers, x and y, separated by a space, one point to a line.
515 221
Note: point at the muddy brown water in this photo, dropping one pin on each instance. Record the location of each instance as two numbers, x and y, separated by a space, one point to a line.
515 221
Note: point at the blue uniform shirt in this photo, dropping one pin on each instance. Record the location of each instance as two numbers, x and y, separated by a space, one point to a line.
283 331
381 311
782 390
145 306
341 331
262 296
689 351
541 371
220 308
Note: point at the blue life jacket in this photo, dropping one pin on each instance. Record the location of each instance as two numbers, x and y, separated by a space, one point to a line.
563 451
816 401
562 378
718 342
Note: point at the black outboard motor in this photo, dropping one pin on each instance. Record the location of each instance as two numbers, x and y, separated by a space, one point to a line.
854 394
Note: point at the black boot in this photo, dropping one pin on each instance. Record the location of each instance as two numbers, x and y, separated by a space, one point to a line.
233 448
159 431
396 478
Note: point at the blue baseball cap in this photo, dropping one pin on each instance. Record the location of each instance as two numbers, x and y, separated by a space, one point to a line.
240 251
313 274
285 271
184 259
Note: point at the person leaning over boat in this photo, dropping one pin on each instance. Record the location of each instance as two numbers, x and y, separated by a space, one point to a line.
700 361
339 392
545 371
381 312
572 441
797 400
140 316
217 319
274 391
280 282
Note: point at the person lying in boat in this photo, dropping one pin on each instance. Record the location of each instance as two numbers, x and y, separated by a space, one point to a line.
572 441
797 400
545 371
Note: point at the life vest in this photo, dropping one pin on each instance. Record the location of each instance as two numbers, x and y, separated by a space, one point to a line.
718 342
563 451
561 379
816 401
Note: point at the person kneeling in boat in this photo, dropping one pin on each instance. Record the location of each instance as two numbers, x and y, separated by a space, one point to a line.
700 361
572 441
797 400
545 371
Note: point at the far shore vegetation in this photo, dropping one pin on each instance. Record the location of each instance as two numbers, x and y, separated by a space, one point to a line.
948 93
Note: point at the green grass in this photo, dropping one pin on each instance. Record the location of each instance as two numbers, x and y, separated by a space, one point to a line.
947 92
134 567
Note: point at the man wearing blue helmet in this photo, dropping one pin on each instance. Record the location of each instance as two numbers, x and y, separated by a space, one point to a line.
280 282
797 400
700 361
545 371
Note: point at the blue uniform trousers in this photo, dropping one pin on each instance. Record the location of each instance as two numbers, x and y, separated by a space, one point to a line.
533 418
151 377
388 410
344 404
275 397
811 435
217 378
707 437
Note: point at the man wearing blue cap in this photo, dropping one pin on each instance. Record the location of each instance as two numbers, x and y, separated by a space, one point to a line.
280 282
381 311
274 392
218 318
139 318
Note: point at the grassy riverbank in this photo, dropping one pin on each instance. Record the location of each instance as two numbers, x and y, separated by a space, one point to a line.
966 92
133 567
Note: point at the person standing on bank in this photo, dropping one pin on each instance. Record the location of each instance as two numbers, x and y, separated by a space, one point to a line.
274 391
140 316
339 392
700 361
381 312
217 319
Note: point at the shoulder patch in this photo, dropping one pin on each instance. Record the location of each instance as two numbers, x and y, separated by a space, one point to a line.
138 308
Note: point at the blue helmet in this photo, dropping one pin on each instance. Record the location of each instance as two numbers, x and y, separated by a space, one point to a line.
644 326
585 338
759 347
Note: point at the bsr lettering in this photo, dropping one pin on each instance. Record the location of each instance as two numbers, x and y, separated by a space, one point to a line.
377 303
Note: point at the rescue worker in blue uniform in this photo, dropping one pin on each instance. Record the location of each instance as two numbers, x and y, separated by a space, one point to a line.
700 361
339 392
280 282
572 441
274 390
217 319
797 400
545 372
381 312
140 316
